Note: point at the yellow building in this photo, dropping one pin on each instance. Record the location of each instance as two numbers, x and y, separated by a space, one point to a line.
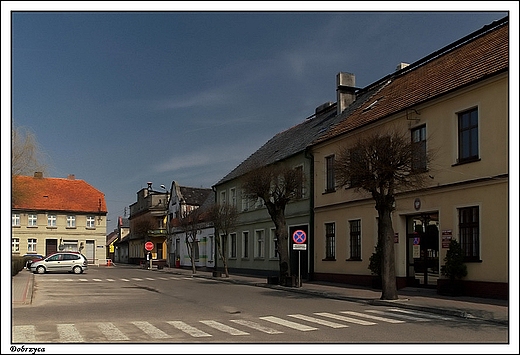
454 105
54 214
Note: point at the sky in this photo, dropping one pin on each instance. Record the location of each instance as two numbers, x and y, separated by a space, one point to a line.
123 98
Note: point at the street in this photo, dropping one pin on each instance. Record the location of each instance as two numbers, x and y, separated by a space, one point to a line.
131 305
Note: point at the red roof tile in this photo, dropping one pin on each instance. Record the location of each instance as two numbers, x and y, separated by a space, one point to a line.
57 194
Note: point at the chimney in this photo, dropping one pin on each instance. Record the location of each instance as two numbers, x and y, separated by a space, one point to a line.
71 177
346 91
401 66
38 174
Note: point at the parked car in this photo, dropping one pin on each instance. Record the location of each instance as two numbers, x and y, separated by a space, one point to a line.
68 261
29 258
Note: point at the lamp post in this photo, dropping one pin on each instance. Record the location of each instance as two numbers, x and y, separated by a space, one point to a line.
167 209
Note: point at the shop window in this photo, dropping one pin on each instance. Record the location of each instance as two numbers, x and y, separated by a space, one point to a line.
330 241
355 240
469 231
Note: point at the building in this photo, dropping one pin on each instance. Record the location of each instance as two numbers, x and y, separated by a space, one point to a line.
121 243
184 200
453 102
54 214
147 222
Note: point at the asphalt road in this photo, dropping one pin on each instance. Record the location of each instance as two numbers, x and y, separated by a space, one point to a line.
134 306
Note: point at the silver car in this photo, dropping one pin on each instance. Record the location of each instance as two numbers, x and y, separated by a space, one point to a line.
66 261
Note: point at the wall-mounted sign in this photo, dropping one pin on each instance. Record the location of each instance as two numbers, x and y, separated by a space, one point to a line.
417 204
446 238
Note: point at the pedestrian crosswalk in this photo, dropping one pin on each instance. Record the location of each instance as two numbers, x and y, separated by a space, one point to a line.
123 279
179 330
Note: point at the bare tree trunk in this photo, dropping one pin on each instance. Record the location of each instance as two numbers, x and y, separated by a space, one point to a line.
222 257
388 276
283 247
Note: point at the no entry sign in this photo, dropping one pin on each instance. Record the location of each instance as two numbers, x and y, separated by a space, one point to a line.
148 246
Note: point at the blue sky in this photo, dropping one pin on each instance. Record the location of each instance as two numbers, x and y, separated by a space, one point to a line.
122 98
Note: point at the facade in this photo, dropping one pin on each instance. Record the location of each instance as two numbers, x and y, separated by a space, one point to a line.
183 200
121 243
147 222
54 214
454 105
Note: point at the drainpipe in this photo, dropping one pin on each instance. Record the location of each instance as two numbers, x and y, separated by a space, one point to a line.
310 156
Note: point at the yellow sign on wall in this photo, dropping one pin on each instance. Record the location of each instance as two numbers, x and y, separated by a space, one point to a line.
111 248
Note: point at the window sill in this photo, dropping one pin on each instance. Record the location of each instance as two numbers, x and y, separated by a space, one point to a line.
329 259
354 259
466 161
328 191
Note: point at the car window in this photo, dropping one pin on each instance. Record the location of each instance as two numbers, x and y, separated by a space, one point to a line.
56 257
70 257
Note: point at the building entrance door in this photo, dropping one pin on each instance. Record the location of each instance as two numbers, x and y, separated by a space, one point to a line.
422 250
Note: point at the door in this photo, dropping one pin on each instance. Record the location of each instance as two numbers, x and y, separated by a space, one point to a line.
51 246
423 250
90 251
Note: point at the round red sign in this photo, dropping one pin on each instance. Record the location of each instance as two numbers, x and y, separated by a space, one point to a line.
148 246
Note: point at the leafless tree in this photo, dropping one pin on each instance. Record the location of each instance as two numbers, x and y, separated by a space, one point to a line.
383 164
26 158
276 185
191 223
224 218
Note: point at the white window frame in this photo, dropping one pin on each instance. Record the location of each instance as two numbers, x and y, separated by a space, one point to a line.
51 220
260 243
91 222
71 221
223 200
232 245
15 245
272 243
233 196
245 245
15 220
32 220
31 245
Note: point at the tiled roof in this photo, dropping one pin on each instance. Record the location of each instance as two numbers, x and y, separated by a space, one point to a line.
57 194
474 57
194 196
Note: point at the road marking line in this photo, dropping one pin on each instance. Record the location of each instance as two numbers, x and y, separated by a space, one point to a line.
97 280
149 278
151 330
223 328
319 321
345 319
256 326
422 314
373 317
175 278
402 316
69 334
111 332
111 280
289 324
188 278
68 280
162 278
83 280
136 279
188 329
24 334
126 280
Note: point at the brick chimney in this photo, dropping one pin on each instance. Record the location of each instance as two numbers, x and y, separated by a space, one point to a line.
38 174
346 91
71 177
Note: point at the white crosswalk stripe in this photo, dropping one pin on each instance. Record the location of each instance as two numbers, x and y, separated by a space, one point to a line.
149 278
318 321
111 332
162 278
287 323
24 334
69 334
110 280
97 280
223 328
136 279
373 317
151 330
397 315
83 280
345 319
419 313
126 280
188 329
256 326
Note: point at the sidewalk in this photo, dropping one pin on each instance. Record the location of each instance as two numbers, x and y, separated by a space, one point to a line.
425 300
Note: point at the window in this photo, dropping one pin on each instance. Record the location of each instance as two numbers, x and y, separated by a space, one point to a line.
222 197
330 241
71 221
91 222
245 201
233 247
32 220
259 203
419 149
469 232
15 244
15 220
355 240
259 244
51 220
31 245
233 197
468 136
273 244
245 245
70 245
329 169
299 193
196 250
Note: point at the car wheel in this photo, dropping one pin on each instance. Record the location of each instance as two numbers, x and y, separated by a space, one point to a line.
77 270
40 270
